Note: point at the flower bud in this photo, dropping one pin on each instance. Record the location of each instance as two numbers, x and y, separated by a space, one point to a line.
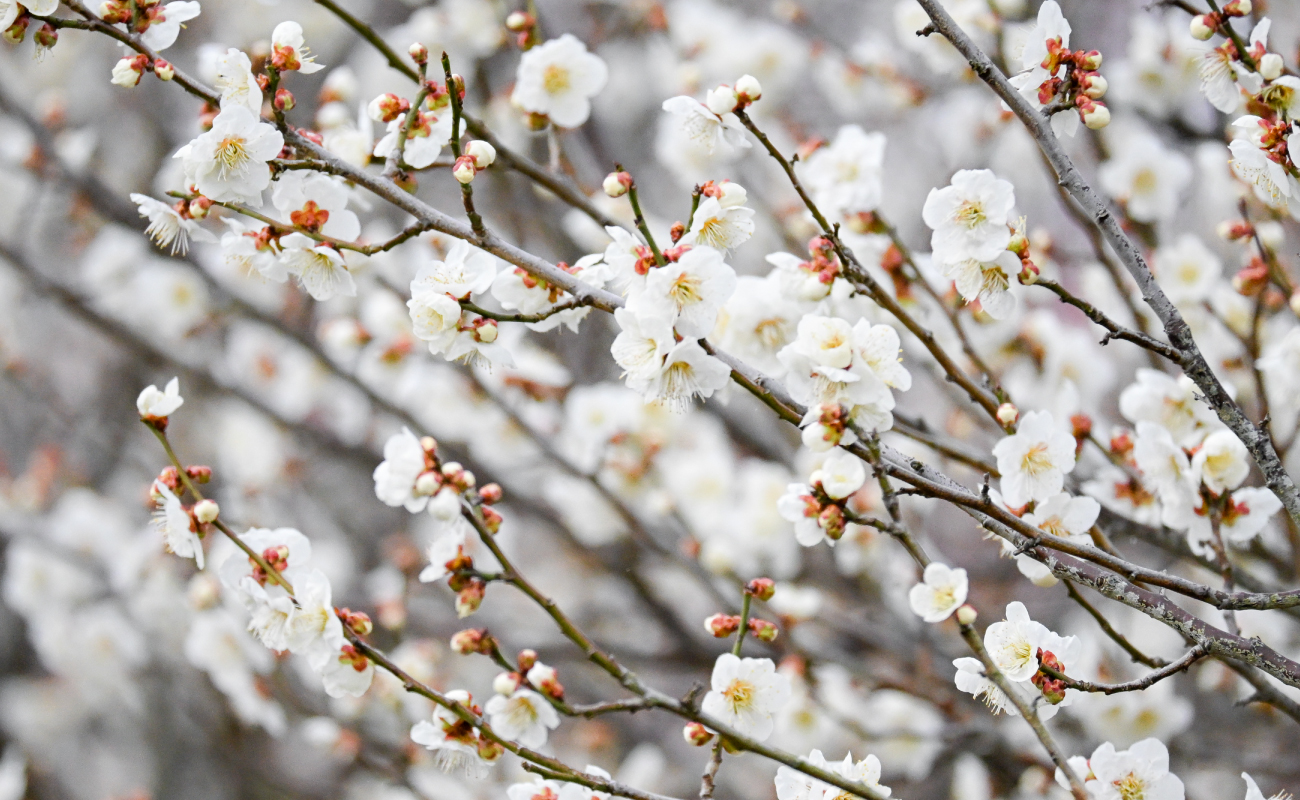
490 494
427 483
470 598
966 614
1096 117
358 621
526 660
489 750
1271 233
1238 8
696 734
546 680
127 71
464 170
1090 60
486 330
1270 66
491 519
1008 413
471 640
482 152
387 107
1202 26
748 89
16 32
206 511
419 53
196 473
617 184
1095 86
283 99
762 588
1028 275
720 626
507 683
831 520
164 70
722 100
1233 229
519 21
763 630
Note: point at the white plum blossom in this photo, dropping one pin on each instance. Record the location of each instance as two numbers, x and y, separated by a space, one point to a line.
165 22
428 134
466 270
969 217
642 344
1172 403
288 50
558 79
9 10
444 553
708 132
989 282
1013 644
1139 773
942 591
159 404
845 176
229 162
1035 460
236 82
830 362
454 742
840 475
396 476
798 505
1050 25
1222 462
686 372
723 223
1061 515
971 678
689 292
316 202
167 227
525 717
320 268
745 693
177 527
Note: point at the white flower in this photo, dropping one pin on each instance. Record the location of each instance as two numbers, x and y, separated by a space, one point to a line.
970 678
721 223
1138 773
396 475
1252 789
863 384
524 717
345 672
970 216
435 318
798 505
757 322
288 51
641 345
1187 270
317 202
987 281
424 141
1013 644
706 131
312 628
1165 466
165 22
248 252
796 277
1033 462
236 82
1064 515
156 404
558 78
940 593
1273 185
229 162
9 10
1144 175
1246 515
454 742
445 552
466 270
1171 403
177 528
1222 462
845 176
320 268
745 694
690 292
865 772
841 475
167 228
791 784
687 371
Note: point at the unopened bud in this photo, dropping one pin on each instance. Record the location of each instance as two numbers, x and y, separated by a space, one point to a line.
546 680
206 511
1090 61
966 614
489 750
427 483
526 660
491 519
490 494
164 70
419 53
1271 233
720 626
1095 86
387 107
748 89
471 640
762 588
1270 66
482 152
487 331
677 231
1202 27
1008 413
470 598
1028 275
1096 117
617 183
16 32
198 207
358 621
696 734
831 520
519 21
1238 8
127 71
429 445
722 100
283 99
196 473
763 630
507 683
1233 229
464 169
1081 426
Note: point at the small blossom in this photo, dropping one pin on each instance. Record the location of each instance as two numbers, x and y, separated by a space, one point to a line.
1034 461
969 217
153 404
745 694
558 79
167 228
288 52
940 593
524 717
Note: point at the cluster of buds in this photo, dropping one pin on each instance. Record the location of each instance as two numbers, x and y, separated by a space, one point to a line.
524 26
831 514
728 99
473 641
1053 689
722 626
353 657
276 557
358 621
45 37
1019 245
826 426
478 156
1204 26
1080 85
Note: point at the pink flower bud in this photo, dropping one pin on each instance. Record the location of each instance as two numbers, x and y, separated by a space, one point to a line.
387 107
470 598
490 494
696 734
1028 273
762 588
419 53
491 519
519 21
283 99
617 184
1238 8
1090 60
471 640
464 169
197 473
358 621
831 520
763 630
526 659
720 626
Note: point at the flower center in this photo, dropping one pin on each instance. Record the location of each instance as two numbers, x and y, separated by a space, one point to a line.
771 333
231 155
1037 460
971 214
685 290
520 712
740 695
713 233
1021 650
1131 787
1145 181
555 79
